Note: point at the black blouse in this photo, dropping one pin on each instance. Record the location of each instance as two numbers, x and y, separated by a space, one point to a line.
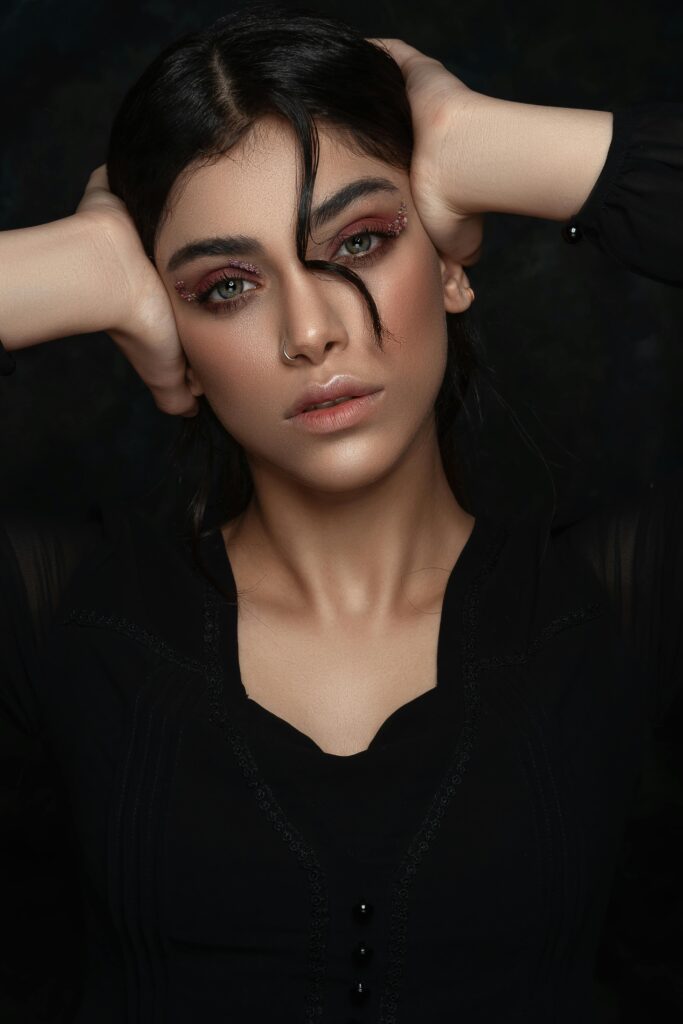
225 868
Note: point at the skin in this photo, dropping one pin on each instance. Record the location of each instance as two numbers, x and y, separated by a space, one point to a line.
359 525
473 154
476 154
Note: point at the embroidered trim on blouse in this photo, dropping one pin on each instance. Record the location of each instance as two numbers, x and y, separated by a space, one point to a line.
267 803
84 617
453 777
575 618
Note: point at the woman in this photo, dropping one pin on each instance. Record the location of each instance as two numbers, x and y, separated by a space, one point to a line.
389 782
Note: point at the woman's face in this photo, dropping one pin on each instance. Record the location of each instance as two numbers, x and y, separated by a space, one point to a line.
233 339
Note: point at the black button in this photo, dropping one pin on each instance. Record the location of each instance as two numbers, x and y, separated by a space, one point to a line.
572 233
359 992
362 911
362 954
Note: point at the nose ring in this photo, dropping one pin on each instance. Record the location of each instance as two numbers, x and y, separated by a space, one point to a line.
292 359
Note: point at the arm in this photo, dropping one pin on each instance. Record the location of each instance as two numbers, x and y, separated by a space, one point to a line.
475 154
86 273
618 176
525 159
58 279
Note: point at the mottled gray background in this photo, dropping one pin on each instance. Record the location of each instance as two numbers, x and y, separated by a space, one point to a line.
588 357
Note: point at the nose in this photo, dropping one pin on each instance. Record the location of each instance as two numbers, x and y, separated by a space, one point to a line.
312 320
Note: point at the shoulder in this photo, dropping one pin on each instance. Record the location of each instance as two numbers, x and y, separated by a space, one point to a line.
139 579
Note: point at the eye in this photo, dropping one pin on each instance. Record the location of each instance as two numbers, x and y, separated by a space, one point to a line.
362 245
225 290
357 244
368 239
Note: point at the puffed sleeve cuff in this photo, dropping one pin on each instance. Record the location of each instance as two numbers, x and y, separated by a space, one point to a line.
634 213
7 363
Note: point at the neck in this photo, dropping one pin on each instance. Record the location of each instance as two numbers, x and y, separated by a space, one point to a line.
350 555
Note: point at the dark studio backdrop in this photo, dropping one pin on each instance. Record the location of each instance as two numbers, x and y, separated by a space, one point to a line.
587 357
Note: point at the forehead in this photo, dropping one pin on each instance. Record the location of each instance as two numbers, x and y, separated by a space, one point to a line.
253 189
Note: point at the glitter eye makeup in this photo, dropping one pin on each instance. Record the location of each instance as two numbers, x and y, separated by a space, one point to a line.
374 227
399 222
183 292
371 228
388 231
206 286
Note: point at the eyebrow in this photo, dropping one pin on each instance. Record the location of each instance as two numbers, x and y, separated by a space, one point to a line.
229 245
243 245
334 204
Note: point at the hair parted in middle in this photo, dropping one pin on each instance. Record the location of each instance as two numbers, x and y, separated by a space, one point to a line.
196 100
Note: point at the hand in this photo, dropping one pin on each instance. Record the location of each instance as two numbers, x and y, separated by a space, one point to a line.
146 332
439 102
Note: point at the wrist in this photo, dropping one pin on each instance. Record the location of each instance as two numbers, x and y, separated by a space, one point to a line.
59 279
103 240
526 159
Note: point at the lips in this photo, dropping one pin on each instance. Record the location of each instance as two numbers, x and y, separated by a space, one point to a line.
330 404
340 386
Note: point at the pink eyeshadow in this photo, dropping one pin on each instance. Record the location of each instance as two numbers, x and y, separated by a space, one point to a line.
399 222
188 296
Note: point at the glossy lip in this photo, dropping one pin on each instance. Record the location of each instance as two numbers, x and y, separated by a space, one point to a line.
339 386
346 414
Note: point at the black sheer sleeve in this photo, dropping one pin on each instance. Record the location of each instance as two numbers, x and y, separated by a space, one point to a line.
39 885
634 212
636 551
634 215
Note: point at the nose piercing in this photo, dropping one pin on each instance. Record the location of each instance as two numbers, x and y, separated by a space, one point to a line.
292 358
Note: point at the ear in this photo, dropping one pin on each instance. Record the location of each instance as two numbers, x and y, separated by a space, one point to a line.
193 382
457 292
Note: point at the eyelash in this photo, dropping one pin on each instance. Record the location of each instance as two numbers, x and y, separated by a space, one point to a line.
231 305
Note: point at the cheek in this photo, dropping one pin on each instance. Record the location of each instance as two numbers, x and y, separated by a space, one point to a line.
412 308
232 370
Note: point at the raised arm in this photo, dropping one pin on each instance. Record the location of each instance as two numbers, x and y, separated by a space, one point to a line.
616 177
85 273
477 154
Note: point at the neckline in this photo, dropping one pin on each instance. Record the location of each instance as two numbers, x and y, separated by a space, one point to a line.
448 645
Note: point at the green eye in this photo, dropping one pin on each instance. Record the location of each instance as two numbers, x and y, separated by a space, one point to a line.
230 287
357 243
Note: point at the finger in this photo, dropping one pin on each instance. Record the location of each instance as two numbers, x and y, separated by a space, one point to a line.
98 178
177 403
402 52
173 396
166 377
464 246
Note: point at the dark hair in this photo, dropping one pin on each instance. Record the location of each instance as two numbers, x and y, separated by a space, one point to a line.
195 101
